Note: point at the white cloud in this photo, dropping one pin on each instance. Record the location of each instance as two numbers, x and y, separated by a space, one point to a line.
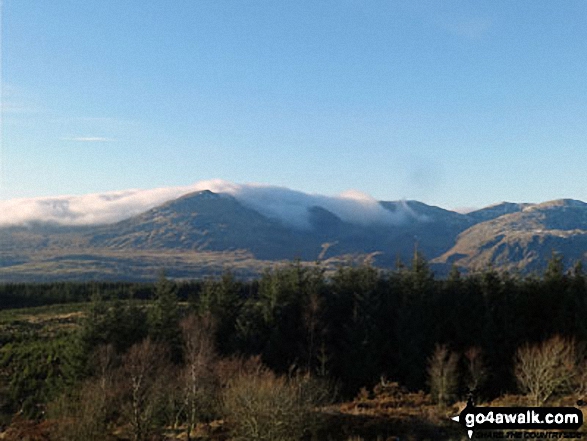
88 139
289 206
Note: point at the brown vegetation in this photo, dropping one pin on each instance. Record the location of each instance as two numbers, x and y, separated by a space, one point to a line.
443 375
198 379
259 405
546 368
143 369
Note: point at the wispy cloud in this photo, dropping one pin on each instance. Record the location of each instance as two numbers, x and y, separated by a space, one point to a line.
13 108
471 28
88 139
460 21
96 122
93 129
14 102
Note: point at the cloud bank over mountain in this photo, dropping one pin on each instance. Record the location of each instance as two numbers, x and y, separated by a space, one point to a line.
289 206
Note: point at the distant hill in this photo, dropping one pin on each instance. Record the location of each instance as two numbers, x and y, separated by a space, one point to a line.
202 221
204 233
206 221
524 239
497 210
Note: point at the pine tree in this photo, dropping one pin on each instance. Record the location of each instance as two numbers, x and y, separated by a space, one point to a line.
221 299
164 318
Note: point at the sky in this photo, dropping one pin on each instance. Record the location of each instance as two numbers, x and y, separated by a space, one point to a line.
453 103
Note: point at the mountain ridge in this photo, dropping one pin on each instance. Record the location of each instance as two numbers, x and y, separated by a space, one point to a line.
524 240
192 234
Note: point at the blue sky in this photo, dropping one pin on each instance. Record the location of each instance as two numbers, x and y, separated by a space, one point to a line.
454 103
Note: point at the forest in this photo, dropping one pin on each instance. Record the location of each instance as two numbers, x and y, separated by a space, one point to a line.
150 361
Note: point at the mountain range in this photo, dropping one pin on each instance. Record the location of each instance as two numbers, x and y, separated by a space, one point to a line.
204 233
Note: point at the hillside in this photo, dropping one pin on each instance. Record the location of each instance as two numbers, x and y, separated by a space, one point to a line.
204 233
497 210
524 240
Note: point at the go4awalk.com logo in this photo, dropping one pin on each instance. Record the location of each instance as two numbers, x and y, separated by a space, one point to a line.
545 422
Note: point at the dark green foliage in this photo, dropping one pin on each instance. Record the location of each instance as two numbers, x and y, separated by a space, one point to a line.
416 319
574 306
34 371
164 318
355 326
120 323
24 295
282 320
221 298
354 333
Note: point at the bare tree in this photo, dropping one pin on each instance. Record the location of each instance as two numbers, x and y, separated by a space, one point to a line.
581 380
311 321
443 374
104 361
476 370
80 415
260 405
143 366
84 413
547 368
198 379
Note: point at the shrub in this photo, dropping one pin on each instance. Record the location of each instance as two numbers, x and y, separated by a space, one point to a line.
260 405
545 369
81 415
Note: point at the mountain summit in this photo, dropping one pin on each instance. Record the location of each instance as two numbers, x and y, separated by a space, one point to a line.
205 232
524 239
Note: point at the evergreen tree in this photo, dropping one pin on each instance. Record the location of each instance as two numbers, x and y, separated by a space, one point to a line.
221 299
573 310
351 312
164 318
415 324
95 331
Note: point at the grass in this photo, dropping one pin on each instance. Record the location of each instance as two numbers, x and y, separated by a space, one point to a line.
42 313
41 321
75 264
390 412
